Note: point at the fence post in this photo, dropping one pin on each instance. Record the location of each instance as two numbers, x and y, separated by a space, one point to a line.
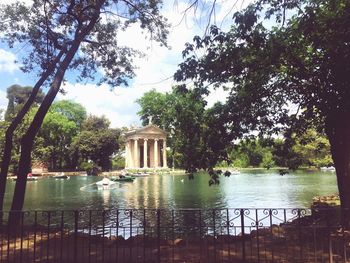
257 234
243 235
103 235
76 215
214 234
330 248
158 235
131 235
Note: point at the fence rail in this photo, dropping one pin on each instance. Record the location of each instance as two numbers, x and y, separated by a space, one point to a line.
186 235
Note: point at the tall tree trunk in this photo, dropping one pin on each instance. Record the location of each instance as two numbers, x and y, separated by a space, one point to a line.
6 159
28 138
338 132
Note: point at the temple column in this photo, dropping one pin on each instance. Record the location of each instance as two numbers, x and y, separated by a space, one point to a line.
145 154
131 158
127 162
156 153
136 154
164 155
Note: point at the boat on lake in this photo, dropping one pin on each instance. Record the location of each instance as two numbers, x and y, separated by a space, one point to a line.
139 174
123 178
61 176
232 171
30 178
328 168
105 184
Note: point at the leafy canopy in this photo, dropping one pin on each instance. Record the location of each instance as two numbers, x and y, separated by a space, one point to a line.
301 61
48 28
198 138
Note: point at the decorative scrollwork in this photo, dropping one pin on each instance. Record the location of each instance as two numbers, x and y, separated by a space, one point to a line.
275 212
237 212
266 212
231 224
107 213
303 212
141 224
26 214
45 214
127 212
295 211
246 212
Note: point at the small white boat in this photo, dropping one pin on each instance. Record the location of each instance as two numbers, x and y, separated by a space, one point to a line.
328 168
29 178
139 174
105 184
234 171
61 176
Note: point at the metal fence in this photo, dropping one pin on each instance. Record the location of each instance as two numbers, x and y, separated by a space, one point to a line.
187 235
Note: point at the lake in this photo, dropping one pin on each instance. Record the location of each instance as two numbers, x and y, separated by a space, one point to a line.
249 189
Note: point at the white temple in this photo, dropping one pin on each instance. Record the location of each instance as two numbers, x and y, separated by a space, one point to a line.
145 148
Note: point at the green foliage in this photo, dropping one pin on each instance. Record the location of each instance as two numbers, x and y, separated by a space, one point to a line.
310 150
3 127
154 105
64 124
72 111
197 136
252 153
86 166
17 96
118 162
283 78
97 142
314 149
52 27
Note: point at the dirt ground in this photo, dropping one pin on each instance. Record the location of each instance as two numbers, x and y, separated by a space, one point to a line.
275 244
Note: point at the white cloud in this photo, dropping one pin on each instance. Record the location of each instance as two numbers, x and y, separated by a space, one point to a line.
118 105
7 61
3 102
155 70
7 2
226 9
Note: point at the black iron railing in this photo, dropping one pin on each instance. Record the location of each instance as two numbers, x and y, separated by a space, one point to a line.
187 235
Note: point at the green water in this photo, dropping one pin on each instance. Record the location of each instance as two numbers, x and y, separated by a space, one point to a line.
250 189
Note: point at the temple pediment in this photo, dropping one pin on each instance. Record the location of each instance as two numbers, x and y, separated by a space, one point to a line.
149 130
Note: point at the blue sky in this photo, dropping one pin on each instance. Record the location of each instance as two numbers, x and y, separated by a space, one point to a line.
155 70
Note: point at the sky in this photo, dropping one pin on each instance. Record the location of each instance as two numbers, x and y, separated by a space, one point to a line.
154 70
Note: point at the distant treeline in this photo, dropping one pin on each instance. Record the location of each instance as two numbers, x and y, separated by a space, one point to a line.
310 150
69 138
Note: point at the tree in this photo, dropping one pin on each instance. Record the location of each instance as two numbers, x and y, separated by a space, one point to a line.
6 159
302 60
198 136
73 111
61 125
314 149
2 130
57 133
17 97
97 142
53 28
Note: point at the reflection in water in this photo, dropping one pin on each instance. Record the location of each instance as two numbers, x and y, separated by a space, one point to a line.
248 189
106 195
